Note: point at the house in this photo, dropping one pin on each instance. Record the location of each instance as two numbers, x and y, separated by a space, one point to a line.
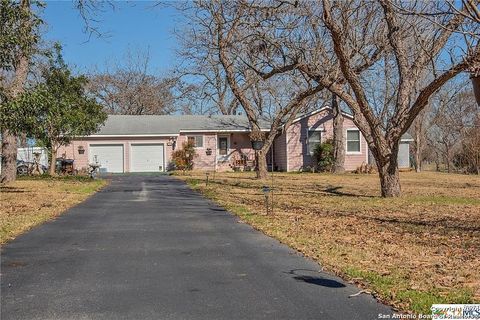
145 143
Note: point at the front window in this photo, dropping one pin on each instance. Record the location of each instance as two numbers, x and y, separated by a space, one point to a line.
353 140
314 139
197 141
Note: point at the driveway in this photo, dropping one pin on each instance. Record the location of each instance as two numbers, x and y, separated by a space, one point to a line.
147 247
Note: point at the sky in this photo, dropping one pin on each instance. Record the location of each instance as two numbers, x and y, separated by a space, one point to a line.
134 26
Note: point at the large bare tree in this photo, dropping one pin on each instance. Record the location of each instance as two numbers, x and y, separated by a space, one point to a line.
421 57
130 88
199 66
260 75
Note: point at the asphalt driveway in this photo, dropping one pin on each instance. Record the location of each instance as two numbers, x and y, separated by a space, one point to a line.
147 247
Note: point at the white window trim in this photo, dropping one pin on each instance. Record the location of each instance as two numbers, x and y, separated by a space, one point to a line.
308 138
223 157
198 135
359 141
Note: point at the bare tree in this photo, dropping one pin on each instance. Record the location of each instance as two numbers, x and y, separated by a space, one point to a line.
361 31
242 36
452 113
131 89
199 65
470 154
419 132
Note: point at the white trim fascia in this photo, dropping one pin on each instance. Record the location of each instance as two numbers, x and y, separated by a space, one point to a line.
407 140
222 131
311 113
127 136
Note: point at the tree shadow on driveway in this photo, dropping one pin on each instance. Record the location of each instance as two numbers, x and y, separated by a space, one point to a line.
316 280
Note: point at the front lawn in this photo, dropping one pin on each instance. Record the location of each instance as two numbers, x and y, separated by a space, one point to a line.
412 251
30 201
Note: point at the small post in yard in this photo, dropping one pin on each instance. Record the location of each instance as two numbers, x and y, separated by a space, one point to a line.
272 174
207 174
266 192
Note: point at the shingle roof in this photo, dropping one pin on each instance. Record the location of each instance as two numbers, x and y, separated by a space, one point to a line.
125 125
173 124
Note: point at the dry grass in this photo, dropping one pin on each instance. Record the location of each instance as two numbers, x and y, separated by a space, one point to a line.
419 249
28 202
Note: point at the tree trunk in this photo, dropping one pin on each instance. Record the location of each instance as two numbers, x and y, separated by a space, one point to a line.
22 140
418 148
447 160
262 171
53 161
338 139
418 158
9 157
388 172
9 140
389 180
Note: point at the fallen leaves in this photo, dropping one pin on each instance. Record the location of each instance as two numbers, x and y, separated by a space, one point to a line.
428 240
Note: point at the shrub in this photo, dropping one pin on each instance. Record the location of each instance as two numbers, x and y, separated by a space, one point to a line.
183 158
323 156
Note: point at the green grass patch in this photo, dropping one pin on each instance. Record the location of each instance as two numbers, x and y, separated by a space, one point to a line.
444 200
395 288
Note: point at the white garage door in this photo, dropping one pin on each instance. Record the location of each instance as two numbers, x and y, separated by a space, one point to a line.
146 158
109 156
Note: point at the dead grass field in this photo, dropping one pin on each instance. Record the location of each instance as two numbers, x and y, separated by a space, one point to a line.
28 202
412 251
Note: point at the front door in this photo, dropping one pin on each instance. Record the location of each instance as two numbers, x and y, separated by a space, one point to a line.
222 146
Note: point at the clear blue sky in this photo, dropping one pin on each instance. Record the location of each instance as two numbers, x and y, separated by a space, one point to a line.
130 25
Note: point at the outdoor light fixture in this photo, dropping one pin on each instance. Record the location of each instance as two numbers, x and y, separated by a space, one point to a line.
208 151
172 142
81 150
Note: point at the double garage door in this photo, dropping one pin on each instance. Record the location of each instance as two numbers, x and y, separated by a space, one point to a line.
143 157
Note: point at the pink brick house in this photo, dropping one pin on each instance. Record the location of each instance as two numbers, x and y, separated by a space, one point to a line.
145 143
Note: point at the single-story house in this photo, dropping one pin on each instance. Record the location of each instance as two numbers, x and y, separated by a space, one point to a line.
145 143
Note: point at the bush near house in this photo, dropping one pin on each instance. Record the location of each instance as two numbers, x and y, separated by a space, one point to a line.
324 156
182 159
411 251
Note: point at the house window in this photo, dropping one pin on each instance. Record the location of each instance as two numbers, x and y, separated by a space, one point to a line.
197 141
222 146
353 140
314 139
